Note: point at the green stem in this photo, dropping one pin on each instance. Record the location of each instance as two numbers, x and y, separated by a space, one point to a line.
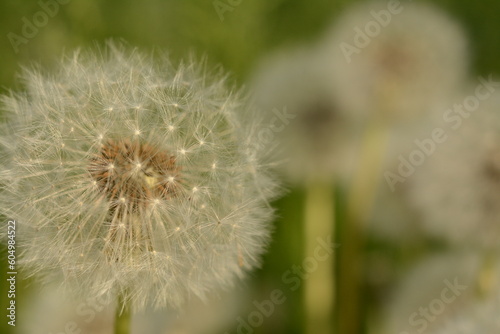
320 284
122 316
359 205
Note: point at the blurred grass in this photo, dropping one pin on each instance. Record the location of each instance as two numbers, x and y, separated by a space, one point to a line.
285 251
252 29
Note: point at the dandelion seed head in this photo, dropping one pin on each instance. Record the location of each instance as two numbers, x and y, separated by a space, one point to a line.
136 190
457 190
426 280
401 71
299 105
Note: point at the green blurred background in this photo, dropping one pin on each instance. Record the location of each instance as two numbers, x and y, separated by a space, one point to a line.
250 29
246 31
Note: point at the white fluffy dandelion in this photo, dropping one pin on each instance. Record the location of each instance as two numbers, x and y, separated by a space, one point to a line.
398 60
52 311
134 177
315 137
457 190
438 287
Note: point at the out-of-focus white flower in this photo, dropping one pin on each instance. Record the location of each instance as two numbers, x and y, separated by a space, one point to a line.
398 60
435 290
394 217
315 137
481 317
217 314
133 176
51 311
457 190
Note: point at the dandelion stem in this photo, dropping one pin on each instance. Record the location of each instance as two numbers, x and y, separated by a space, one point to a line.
319 289
122 316
360 201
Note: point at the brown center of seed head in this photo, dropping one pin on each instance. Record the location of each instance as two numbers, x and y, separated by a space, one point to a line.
133 174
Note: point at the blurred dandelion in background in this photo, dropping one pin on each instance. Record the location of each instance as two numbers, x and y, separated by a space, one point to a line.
386 57
477 318
95 315
291 89
391 70
87 315
456 191
435 289
318 139
215 314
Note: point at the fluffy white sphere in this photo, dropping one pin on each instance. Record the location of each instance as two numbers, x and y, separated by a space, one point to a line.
433 291
397 60
315 137
457 190
133 176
